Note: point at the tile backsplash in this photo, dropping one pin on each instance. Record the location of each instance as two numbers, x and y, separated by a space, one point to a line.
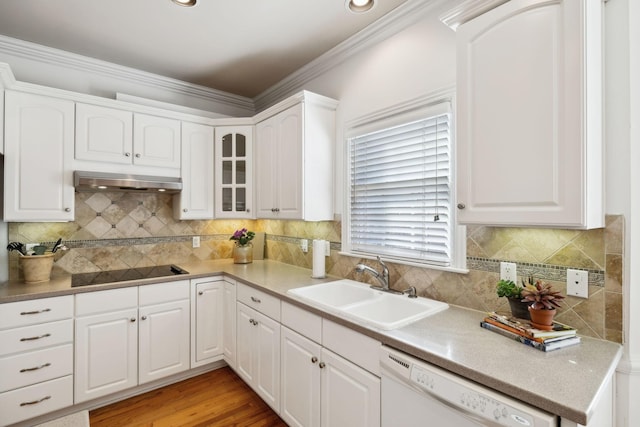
122 230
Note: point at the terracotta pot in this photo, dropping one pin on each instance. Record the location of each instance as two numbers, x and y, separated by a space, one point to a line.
542 318
243 254
519 309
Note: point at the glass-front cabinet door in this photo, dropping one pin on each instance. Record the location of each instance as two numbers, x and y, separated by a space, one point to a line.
234 172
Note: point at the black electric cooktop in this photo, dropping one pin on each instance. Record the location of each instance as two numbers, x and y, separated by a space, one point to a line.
99 277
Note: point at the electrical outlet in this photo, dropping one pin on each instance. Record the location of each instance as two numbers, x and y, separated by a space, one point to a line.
578 283
508 271
195 241
304 245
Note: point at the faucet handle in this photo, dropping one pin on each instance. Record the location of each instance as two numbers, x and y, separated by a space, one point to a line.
385 270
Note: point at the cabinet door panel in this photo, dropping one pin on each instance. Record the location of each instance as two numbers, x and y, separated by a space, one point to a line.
234 172
300 380
289 182
245 343
528 154
195 201
209 303
103 134
268 361
106 354
266 169
350 395
156 141
229 323
38 155
164 340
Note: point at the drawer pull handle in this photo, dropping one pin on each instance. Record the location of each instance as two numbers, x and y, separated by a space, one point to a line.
256 300
35 338
253 322
35 368
35 402
26 313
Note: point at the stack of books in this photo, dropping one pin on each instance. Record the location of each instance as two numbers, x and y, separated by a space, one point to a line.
559 336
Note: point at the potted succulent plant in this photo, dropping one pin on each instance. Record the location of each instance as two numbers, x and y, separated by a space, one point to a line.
513 293
543 300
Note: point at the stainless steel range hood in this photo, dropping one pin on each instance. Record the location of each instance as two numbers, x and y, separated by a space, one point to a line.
102 181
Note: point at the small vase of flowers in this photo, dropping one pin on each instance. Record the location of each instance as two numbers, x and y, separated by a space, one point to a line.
243 248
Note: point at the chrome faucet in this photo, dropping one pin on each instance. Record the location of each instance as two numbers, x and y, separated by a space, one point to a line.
383 277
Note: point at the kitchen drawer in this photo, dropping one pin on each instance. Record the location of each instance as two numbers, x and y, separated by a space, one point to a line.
34 367
358 348
260 301
23 313
163 292
106 301
34 337
28 402
302 321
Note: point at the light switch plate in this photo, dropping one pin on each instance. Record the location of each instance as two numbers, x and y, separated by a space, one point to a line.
578 283
195 242
304 245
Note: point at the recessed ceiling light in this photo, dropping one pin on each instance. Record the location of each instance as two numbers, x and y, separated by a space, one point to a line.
359 6
185 3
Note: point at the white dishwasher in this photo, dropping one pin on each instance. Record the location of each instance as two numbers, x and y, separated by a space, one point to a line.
416 394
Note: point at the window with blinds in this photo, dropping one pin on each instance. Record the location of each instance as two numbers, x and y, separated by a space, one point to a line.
400 191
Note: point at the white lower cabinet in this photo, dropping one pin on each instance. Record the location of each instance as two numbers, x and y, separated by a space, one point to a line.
319 387
106 343
36 358
130 336
258 358
207 320
164 330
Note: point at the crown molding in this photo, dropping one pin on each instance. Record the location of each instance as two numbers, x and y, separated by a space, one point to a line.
388 25
47 55
467 11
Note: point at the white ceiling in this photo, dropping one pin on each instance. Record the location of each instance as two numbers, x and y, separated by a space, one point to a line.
238 46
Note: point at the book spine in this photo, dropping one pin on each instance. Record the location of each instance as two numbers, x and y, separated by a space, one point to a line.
509 328
515 337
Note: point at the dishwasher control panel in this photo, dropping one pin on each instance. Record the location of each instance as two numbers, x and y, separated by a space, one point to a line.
466 399
479 404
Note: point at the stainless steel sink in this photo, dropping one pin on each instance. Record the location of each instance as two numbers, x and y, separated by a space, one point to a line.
361 303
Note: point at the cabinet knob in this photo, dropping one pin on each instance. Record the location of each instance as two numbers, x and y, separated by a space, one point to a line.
127 154
314 359
143 318
461 206
138 155
185 210
133 320
200 293
67 209
321 365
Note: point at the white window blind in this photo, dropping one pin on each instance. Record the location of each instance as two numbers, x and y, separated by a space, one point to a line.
400 191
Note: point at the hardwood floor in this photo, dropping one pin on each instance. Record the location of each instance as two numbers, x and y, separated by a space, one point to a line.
217 398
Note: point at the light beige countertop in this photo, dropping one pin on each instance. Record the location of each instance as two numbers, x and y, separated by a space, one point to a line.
564 382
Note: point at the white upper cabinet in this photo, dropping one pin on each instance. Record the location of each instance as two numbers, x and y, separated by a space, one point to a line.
234 172
38 179
103 134
195 201
294 159
110 135
156 141
529 115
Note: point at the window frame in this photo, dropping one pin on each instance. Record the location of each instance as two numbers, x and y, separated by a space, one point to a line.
414 110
